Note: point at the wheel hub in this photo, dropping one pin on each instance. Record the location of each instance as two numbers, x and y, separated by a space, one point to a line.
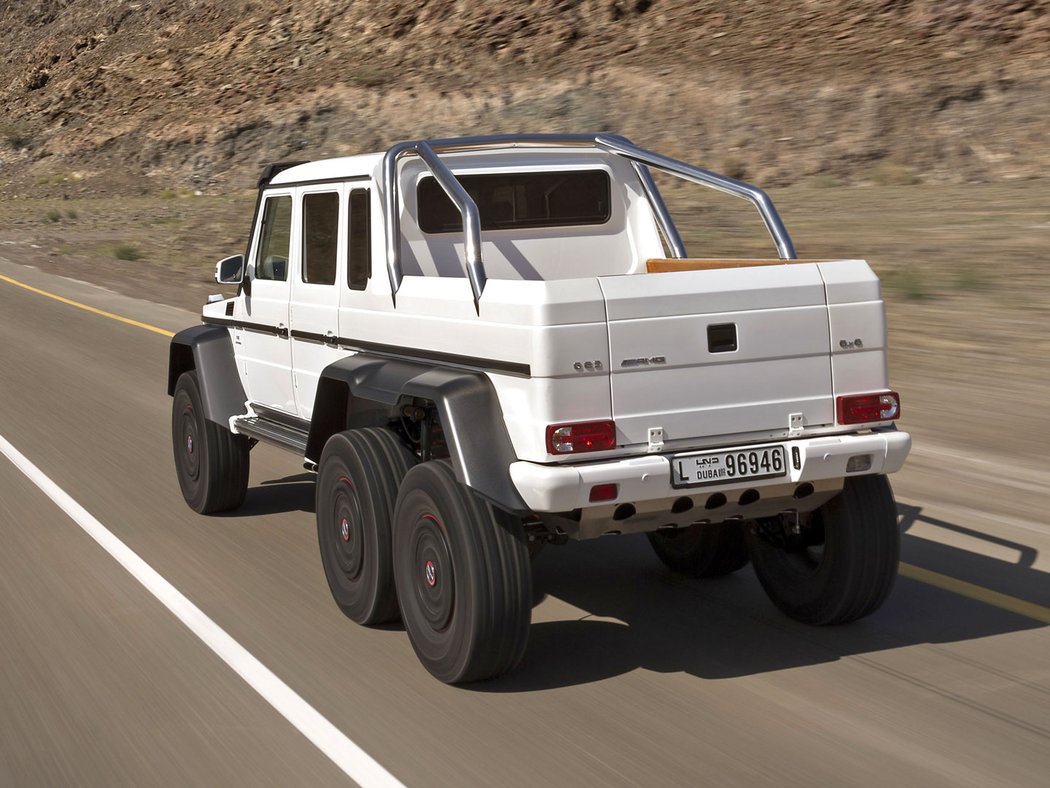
189 460
435 587
346 519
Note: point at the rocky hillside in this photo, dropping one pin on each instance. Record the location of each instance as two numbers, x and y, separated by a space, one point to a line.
111 95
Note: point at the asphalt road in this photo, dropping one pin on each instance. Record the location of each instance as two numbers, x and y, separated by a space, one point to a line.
633 676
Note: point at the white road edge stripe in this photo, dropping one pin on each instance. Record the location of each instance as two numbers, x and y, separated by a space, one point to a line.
355 762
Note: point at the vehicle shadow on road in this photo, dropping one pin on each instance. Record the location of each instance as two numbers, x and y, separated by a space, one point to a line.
631 612
290 494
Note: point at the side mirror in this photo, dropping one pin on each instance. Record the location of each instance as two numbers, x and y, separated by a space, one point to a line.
230 270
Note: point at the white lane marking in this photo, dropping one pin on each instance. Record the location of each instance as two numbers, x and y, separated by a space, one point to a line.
355 762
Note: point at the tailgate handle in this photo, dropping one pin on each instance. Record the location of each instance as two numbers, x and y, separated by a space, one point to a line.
721 338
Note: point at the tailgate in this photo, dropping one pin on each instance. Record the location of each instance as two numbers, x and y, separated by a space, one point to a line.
719 352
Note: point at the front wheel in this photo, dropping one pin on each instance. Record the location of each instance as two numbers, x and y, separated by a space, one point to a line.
463 578
210 461
836 565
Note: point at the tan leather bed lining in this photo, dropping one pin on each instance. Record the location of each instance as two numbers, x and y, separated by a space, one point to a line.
660 266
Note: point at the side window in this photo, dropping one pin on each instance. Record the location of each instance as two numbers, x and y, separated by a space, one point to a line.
320 235
359 255
271 261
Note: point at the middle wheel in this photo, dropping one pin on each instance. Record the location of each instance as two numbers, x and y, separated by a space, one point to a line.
702 550
463 578
357 482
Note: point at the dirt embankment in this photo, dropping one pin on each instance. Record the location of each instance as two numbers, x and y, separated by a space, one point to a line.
116 96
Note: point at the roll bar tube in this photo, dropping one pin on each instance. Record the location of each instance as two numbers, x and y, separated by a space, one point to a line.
641 159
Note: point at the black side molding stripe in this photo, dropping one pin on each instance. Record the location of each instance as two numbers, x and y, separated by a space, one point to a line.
261 328
307 336
496 365
474 362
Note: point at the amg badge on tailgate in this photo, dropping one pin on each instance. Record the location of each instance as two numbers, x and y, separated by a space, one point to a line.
644 361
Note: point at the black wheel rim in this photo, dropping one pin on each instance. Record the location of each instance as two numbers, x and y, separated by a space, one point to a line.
190 449
345 529
433 579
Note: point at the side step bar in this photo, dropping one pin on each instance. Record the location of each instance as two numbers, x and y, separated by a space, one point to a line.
280 433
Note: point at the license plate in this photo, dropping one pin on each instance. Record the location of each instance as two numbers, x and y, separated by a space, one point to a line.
719 467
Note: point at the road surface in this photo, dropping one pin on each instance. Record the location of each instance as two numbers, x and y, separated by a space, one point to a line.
633 676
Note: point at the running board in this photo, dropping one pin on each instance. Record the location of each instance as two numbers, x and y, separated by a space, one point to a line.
279 433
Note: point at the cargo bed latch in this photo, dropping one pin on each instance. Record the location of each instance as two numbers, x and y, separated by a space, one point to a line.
795 424
656 439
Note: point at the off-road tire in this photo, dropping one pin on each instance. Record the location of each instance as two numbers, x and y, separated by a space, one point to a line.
463 577
210 461
702 550
851 575
357 482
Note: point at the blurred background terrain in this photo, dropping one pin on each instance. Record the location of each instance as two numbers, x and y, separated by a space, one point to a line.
912 133
192 92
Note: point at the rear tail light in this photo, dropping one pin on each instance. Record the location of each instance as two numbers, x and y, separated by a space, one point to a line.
580 437
860 408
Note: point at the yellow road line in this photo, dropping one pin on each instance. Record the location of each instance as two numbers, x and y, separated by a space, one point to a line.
87 308
980 593
944 582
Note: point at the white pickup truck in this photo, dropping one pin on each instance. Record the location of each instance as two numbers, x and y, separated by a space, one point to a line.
483 345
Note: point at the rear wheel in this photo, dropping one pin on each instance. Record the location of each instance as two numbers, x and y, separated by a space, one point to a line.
358 477
463 577
836 565
210 461
702 550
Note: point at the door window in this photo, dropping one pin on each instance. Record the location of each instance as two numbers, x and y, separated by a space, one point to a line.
320 236
271 262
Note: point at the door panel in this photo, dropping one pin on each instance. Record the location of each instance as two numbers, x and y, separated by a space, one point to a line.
266 351
314 311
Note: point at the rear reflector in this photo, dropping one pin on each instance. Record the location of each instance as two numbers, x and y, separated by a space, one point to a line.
580 437
858 463
860 408
604 492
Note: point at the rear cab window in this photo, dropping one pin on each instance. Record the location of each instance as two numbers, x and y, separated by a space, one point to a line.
359 245
514 200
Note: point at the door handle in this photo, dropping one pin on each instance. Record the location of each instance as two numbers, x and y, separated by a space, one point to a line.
282 330
329 338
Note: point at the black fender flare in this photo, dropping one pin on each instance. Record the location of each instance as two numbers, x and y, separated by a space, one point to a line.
362 390
209 350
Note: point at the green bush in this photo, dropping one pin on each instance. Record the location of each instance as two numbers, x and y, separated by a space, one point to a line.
971 279
127 252
824 181
909 282
887 173
734 168
54 215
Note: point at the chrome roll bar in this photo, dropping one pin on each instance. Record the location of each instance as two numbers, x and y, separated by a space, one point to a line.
722 183
640 158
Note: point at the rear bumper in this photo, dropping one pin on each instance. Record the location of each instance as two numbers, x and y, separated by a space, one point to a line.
563 488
